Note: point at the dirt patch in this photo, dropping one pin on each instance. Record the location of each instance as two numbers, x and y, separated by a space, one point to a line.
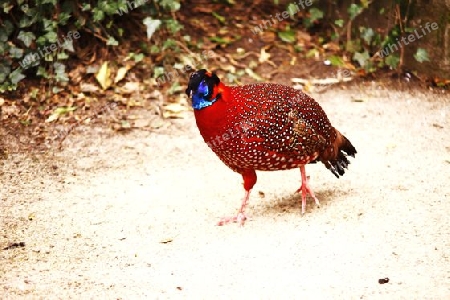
127 216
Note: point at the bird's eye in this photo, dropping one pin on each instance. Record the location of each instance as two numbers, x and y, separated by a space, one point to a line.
203 88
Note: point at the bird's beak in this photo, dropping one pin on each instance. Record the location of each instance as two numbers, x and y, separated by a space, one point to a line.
189 92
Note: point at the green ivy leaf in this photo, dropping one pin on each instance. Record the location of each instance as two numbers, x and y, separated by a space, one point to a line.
56 90
170 5
26 37
86 7
361 57
112 41
5 69
336 61
68 45
50 25
16 52
158 71
98 14
315 14
63 18
30 12
287 36
16 76
42 72
25 22
5 30
154 49
354 10
421 55
367 34
51 36
62 56
138 57
339 23
7 7
3 48
169 43
292 10
174 26
152 26
110 7
60 71
312 53
392 61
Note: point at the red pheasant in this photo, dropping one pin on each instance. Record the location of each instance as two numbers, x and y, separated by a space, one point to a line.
265 127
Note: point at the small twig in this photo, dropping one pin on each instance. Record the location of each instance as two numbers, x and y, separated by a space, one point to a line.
96 35
398 18
185 48
349 34
234 62
73 126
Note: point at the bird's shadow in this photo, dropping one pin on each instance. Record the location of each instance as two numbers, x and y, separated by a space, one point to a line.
293 202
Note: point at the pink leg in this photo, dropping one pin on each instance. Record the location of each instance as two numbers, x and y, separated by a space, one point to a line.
306 189
240 218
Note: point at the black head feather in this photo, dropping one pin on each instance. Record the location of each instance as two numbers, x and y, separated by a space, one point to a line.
196 78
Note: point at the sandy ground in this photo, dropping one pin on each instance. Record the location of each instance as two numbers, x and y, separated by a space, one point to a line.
133 216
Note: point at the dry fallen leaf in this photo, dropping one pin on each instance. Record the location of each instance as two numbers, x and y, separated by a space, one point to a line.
130 87
121 74
103 76
331 46
253 74
303 36
268 37
174 110
59 112
88 87
166 241
264 56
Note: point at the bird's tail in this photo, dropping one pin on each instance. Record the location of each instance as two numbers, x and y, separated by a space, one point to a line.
336 160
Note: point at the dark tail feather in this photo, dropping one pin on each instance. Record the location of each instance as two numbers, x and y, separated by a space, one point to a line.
343 148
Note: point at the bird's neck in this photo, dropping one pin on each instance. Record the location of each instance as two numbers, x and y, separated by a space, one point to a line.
212 119
200 102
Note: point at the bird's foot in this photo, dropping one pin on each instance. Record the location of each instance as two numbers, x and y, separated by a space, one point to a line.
240 218
306 189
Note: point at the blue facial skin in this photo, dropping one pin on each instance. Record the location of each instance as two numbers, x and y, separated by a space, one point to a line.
199 99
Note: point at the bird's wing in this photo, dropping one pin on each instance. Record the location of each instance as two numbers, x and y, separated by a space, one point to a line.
282 130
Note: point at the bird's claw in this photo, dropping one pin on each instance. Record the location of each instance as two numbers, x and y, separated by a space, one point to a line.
240 218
